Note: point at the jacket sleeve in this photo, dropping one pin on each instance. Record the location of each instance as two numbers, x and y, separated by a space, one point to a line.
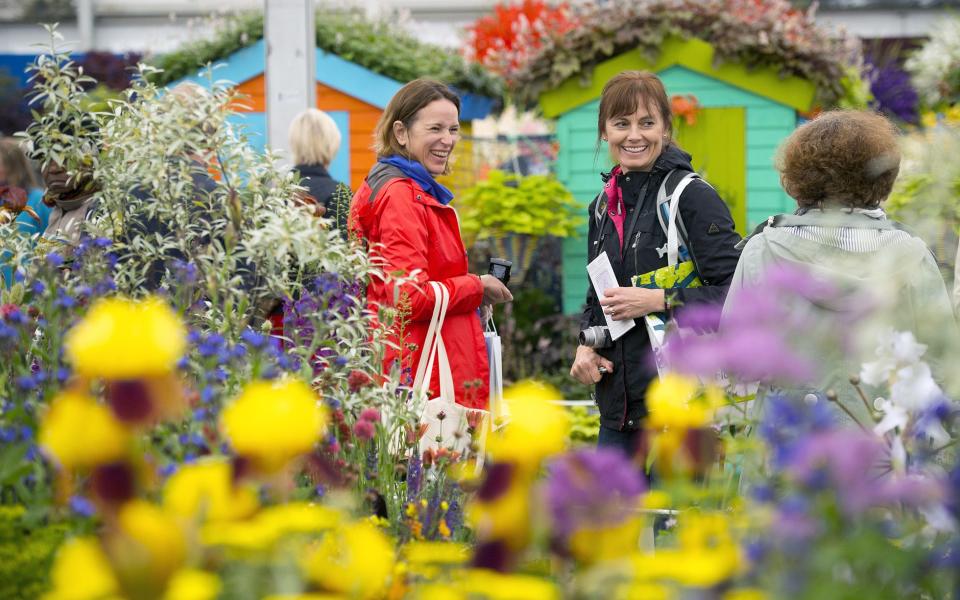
588 317
404 245
712 240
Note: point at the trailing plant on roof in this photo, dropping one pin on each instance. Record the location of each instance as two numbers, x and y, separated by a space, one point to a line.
379 46
767 33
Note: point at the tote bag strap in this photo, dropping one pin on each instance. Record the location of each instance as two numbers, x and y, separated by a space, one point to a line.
428 354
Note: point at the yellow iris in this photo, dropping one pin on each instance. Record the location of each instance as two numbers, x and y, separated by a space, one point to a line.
121 338
78 432
81 571
356 560
674 402
537 428
274 422
149 545
206 489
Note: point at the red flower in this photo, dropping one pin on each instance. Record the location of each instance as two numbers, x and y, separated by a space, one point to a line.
358 379
370 414
8 309
364 430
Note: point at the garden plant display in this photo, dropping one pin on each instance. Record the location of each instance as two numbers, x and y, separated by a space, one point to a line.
160 443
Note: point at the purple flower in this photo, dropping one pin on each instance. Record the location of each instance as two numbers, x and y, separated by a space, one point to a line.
414 476
850 463
786 422
594 487
768 329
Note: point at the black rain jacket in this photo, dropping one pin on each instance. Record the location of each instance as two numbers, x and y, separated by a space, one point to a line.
620 395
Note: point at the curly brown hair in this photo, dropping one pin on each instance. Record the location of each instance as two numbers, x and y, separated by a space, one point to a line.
842 158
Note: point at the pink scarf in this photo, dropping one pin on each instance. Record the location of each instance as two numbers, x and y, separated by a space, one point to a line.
615 207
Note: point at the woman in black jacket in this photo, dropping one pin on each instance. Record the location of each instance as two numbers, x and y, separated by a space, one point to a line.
314 141
635 122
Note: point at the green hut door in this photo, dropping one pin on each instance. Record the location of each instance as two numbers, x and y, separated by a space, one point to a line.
718 144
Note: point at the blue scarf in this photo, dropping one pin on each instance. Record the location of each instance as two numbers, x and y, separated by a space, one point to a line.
417 172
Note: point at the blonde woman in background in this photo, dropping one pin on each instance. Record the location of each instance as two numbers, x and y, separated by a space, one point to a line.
314 141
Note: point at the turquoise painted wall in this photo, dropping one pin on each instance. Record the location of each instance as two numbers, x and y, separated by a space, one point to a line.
578 164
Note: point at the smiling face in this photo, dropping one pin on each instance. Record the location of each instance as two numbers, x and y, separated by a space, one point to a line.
636 140
431 136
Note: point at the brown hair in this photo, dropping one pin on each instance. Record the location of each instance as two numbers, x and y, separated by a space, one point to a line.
404 107
624 94
843 157
15 165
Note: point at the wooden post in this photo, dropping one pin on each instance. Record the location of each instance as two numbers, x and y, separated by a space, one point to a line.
289 30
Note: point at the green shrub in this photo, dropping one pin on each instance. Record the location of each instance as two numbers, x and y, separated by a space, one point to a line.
26 553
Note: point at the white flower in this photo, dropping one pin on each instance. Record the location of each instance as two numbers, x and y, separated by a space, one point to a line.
914 388
895 350
893 416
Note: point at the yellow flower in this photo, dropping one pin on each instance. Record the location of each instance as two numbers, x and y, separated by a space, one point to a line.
707 554
206 489
81 571
497 586
356 560
193 584
537 428
125 339
274 422
434 553
78 432
645 591
591 545
656 499
271 524
506 517
929 119
673 402
149 545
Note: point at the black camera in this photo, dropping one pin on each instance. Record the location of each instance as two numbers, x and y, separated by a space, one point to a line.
500 268
597 336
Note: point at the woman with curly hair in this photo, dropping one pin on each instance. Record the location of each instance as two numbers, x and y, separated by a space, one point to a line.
839 168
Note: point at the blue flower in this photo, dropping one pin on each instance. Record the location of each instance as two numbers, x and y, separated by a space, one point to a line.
63 374
341 361
82 506
206 394
64 301
8 434
7 332
254 339
55 259
26 382
102 242
194 336
38 287
200 414
239 351
168 469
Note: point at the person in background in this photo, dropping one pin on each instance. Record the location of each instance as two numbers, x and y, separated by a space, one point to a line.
405 217
21 197
839 168
635 122
71 195
314 141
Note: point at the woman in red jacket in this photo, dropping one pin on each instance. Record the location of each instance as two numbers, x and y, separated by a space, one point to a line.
404 215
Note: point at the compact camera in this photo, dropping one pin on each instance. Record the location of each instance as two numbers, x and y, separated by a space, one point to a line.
597 336
500 268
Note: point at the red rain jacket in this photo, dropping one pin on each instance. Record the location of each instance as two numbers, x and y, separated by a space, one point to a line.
406 229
